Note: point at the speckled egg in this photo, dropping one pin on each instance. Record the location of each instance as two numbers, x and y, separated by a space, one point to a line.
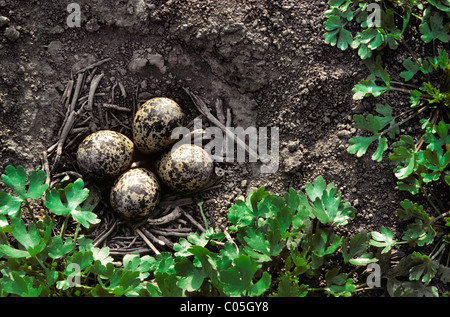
185 168
135 194
154 122
105 154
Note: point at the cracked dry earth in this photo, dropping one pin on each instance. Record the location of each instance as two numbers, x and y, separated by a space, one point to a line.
266 61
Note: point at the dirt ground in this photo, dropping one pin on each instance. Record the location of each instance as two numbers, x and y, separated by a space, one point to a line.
266 60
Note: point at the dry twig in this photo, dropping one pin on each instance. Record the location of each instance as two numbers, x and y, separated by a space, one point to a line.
94 65
144 237
201 106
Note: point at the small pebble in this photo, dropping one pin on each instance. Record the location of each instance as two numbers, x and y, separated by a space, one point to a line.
3 21
12 34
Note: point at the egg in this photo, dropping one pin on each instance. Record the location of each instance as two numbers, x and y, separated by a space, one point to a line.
185 168
154 122
105 154
135 194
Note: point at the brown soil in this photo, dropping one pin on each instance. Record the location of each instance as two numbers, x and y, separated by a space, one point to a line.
266 60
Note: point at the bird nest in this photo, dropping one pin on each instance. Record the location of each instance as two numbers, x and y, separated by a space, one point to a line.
87 109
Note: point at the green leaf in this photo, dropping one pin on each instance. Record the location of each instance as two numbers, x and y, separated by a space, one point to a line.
360 145
424 269
437 143
9 205
324 243
367 88
21 285
292 200
404 172
411 210
58 249
410 184
432 27
191 277
288 288
240 214
411 67
336 34
83 258
4 225
330 210
122 282
372 124
420 233
415 97
442 5
404 156
376 69
12 253
167 284
357 253
345 39
387 119
317 189
261 247
321 244
382 147
410 289
338 284
228 254
239 278
16 179
37 185
31 240
166 263
304 211
261 286
383 239
256 197
85 218
75 194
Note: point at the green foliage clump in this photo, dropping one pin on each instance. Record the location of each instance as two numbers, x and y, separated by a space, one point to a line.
281 246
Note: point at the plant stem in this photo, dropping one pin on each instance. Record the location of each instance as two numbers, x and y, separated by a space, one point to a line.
445 214
404 84
404 120
64 227
40 263
437 252
200 204
425 193
76 232
439 202
30 210
399 89
413 54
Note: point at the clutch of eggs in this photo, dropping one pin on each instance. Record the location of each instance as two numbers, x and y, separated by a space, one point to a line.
106 155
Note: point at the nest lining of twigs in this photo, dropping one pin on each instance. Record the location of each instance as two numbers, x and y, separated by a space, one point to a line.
86 110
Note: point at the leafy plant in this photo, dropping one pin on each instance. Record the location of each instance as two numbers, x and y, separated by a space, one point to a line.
382 23
419 163
279 241
282 246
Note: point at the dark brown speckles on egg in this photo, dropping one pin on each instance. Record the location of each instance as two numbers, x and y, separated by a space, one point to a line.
185 168
154 122
135 194
105 154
